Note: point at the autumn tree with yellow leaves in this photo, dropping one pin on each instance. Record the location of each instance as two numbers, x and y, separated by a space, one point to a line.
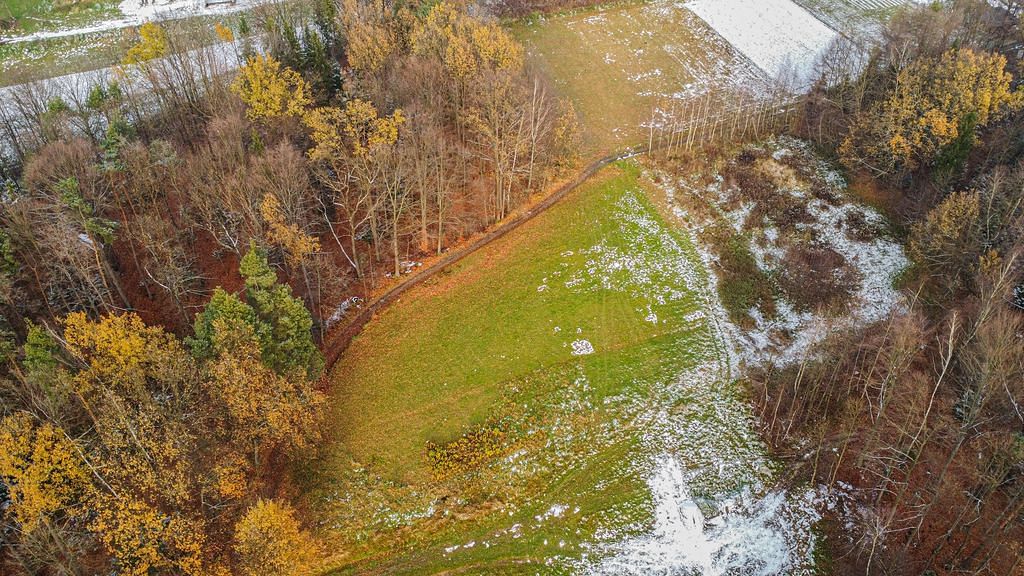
934 103
152 44
169 440
137 437
270 90
465 46
270 542
139 387
371 40
359 148
42 469
264 410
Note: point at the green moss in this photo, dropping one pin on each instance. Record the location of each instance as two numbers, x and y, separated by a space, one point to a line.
742 284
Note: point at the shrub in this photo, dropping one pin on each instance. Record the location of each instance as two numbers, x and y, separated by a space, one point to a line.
469 450
816 277
270 542
742 285
946 245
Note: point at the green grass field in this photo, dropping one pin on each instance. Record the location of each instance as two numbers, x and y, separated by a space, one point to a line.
27 16
491 342
620 62
490 346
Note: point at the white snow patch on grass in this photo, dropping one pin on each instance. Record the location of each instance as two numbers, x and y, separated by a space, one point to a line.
753 536
788 335
652 266
711 513
582 348
780 37
877 261
136 13
556 511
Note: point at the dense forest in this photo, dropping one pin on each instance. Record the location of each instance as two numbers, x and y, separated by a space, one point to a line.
176 247
172 258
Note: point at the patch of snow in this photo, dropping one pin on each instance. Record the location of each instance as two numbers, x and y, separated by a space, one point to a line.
780 37
653 272
342 310
788 336
651 317
556 511
756 536
582 348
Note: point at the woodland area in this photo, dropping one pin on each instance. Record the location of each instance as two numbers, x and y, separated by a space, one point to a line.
919 418
175 248
172 257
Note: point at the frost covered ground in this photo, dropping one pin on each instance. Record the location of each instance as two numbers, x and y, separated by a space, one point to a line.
779 36
832 221
592 340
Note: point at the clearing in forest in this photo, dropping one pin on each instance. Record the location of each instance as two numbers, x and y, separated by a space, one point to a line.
566 399
561 401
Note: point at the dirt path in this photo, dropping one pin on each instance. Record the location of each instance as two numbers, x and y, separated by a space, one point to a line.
339 338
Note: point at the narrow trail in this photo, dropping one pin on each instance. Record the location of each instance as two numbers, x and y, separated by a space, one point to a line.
338 339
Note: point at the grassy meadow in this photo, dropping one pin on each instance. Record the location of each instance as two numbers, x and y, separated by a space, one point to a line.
27 16
554 353
621 62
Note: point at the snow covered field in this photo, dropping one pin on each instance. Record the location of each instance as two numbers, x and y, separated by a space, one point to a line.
780 37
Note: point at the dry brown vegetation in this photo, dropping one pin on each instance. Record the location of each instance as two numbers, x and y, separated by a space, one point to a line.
918 417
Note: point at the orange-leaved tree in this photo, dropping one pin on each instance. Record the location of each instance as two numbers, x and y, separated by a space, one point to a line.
270 542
